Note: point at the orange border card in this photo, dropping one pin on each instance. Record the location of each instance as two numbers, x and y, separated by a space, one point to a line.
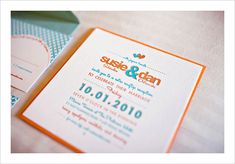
116 95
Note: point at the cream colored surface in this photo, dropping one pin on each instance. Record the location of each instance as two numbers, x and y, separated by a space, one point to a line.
197 36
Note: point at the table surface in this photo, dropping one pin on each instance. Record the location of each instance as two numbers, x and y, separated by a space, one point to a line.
198 36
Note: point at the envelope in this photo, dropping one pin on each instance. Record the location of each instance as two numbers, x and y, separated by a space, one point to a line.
37 39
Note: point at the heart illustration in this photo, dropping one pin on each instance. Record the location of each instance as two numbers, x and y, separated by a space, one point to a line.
141 56
136 55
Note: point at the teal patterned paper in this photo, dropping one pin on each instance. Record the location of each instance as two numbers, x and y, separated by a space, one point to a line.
14 100
56 41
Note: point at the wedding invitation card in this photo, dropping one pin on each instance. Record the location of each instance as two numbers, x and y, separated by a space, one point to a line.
116 94
36 41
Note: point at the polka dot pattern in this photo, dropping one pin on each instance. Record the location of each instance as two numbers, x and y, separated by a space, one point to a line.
14 100
56 41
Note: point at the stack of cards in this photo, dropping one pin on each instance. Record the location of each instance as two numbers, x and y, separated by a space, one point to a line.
38 38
